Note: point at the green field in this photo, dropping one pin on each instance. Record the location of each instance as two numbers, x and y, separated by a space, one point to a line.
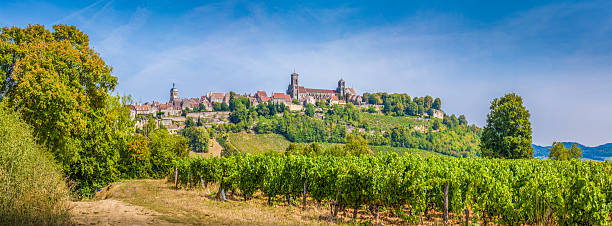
387 122
259 143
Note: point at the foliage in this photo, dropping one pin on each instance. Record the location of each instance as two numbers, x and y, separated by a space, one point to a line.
400 104
508 130
495 190
135 161
166 148
197 138
62 89
356 145
32 189
559 152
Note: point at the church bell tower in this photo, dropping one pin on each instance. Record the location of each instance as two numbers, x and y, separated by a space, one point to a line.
293 87
174 97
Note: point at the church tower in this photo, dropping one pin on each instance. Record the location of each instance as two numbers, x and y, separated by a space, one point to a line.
341 87
293 89
174 97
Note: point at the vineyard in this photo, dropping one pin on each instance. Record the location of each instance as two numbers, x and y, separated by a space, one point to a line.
411 187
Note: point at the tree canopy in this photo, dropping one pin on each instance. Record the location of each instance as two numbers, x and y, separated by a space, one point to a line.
508 130
62 88
559 152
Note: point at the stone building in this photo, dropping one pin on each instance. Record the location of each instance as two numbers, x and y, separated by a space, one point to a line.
302 94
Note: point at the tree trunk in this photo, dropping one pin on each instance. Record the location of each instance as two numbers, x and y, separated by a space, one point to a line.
269 200
446 202
288 199
355 212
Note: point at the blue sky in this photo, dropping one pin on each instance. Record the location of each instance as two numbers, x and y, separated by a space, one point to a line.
556 54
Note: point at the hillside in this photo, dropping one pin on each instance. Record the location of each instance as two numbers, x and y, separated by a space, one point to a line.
600 153
259 143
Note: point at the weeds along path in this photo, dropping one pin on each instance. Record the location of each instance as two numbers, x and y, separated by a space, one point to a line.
113 212
157 202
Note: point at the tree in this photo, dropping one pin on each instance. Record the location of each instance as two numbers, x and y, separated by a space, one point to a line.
356 145
62 88
309 110
189 123
436 124
239 114
462 120
412 109
166 148
428 102
508 130
197 138
559 152
437 104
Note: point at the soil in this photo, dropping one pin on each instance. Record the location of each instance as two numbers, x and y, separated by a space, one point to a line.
113 212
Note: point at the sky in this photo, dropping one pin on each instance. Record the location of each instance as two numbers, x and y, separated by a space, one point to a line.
557 55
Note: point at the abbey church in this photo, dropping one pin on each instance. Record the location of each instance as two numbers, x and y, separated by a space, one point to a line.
341 93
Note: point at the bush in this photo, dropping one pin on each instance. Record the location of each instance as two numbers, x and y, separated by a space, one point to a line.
32 190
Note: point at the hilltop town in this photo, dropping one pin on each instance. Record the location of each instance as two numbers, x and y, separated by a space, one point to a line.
212 107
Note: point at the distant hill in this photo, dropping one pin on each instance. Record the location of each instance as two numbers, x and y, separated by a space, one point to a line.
600 153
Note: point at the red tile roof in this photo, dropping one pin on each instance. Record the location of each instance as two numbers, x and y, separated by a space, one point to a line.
261 94
352 91
309 90
282 96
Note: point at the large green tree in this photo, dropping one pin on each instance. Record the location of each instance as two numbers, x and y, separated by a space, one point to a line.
559 152
508 130
62 88
197 138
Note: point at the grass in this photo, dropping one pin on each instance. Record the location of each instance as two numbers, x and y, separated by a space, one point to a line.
32 188
199 206
258 143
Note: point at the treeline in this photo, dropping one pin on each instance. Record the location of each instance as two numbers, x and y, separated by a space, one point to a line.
411 187
401 104
459 141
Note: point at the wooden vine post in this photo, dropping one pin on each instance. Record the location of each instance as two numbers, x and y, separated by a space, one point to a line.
304 198
175 178
445 202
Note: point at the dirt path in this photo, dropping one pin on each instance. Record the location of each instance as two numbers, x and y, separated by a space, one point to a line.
214 150
113 212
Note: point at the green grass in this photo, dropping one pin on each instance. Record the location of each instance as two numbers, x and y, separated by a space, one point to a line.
258 143
384 122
